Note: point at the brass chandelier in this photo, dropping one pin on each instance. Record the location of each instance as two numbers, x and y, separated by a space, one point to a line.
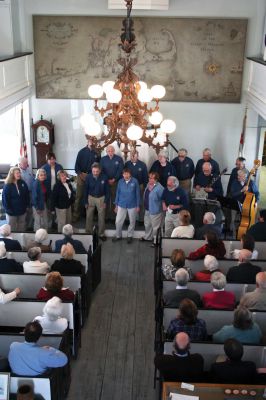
128 116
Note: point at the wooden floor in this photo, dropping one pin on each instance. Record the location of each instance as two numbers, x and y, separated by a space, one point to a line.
116 358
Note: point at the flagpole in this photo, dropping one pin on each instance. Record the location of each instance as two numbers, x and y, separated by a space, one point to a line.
242 136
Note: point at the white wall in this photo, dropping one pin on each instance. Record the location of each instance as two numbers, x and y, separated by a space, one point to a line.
217 126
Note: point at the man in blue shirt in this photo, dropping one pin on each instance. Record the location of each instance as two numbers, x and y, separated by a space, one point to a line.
85 158
207 157
112 166
240 165
139 171
184 169
96 195
174 200
29 359
163 168
204 182
127 200
239 187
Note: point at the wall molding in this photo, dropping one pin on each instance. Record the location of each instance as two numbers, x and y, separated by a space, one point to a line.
257 88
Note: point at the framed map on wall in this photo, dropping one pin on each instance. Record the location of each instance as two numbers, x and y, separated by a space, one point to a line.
196 59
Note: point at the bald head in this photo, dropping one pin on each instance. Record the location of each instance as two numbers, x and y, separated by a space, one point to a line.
181 343
261 280
244 255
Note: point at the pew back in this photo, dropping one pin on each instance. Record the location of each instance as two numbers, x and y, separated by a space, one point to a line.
41 386
211 351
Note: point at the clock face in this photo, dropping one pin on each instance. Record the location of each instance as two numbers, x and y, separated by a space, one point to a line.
43 134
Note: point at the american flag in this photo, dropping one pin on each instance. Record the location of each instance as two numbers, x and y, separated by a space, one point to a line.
23 144
242 136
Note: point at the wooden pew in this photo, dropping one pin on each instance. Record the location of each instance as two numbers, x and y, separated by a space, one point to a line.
210 352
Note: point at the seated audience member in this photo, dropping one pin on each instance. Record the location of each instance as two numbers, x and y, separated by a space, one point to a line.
51 320
248 243
188 322
244 272
257 299
242 329
8 265
67 265
180 366
178 260
41 236
209 220
35 266
68 232
11 244
174 297
214 247
54 287
258 230
219 298
7 297
233 369
211 266
29 359
185 229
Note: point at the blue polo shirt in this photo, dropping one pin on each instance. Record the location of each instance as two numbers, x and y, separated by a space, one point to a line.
183 169
85 158
139 171
214 164
128 193
96 187
112 167
29 359
175 197
164 172
203 181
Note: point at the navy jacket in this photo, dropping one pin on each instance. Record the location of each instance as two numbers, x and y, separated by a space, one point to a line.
128 194
15 202
236 193
183 169
233 176
203 181
175 197
77 244
258 231
164 172
96 187
60 197
214 164
8 266
47 169
11 244
139 171
112 167
85 158
38 200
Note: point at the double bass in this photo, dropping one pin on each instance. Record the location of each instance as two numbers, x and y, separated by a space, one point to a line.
249 207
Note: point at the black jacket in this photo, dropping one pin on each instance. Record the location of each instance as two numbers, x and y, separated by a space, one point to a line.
182 369
11 244
258 231
9 265
234 372
60 197
68 267
243 273
174 297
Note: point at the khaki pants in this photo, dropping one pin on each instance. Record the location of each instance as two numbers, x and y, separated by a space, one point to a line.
120 218
79 198
97 202
152 223
186 185
40 220
17 222
171 222
63 216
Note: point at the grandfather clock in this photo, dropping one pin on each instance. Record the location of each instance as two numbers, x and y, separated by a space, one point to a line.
43 139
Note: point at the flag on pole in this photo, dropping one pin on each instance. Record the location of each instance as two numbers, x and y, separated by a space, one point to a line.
23 144
242 136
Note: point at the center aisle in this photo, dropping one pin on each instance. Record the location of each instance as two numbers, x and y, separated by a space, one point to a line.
116 358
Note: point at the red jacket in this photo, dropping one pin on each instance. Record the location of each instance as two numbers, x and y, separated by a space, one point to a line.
218 252
220 300
65 294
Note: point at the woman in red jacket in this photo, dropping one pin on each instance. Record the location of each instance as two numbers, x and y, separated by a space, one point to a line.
214 247
211 265
54 287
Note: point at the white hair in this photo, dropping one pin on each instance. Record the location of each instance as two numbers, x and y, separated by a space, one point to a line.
210 262
182 150
67 230
207 150
163 153
175 180
53 308
41 235
218 280
2 249
5 230
241 172
181 277
34 253
209 217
